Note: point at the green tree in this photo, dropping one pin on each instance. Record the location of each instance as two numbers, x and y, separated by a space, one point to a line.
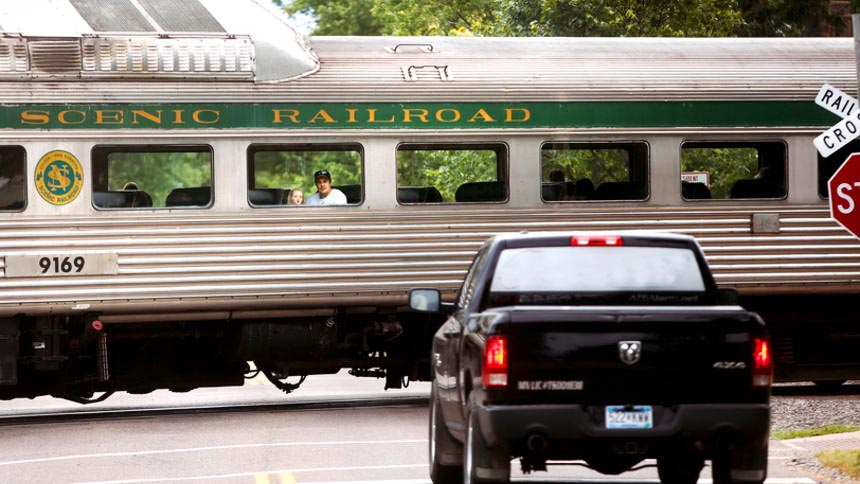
665 18
341 17
445 169
789 18
724 166
157 173
439 17
621 18
400 17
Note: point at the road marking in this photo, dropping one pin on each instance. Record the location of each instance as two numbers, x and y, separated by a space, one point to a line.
770 480
376 481
256 474
288 478
285 478
206 449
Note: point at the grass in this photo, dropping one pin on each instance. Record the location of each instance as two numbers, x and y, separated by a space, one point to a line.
847 461
827 429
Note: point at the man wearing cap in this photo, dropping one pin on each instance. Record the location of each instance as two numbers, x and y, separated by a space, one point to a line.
325 195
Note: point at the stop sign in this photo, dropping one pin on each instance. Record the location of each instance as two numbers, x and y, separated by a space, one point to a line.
844 191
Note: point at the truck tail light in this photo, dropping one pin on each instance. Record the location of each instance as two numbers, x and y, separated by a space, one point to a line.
595 240
495 371
762 363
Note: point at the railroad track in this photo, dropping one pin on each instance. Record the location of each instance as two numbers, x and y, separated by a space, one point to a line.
85 413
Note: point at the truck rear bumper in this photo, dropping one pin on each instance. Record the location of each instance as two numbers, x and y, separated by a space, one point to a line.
707 425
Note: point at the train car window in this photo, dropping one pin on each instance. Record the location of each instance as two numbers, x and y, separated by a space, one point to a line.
151 176
13 163
733 170
438 173
594 171
828 166
286 175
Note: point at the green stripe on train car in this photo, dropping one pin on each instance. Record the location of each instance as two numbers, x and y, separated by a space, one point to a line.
690 114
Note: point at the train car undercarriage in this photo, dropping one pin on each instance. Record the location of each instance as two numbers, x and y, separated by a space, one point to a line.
77 358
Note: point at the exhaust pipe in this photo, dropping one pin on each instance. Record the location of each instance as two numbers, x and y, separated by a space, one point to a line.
537 443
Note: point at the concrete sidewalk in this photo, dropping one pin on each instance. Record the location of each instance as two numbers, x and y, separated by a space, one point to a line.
843 441
797 456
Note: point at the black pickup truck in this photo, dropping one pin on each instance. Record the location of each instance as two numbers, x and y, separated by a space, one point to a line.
602 349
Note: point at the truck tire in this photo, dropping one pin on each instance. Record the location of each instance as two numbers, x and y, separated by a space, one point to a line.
679 468
481 464
446 465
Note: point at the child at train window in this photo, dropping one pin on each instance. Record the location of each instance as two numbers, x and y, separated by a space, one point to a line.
296 197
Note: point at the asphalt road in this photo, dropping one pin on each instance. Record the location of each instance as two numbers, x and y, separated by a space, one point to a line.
113 442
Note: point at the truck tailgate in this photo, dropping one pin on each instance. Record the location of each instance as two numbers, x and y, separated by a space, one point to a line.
606 356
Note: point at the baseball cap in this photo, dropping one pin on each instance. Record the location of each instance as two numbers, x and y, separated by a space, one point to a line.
320 173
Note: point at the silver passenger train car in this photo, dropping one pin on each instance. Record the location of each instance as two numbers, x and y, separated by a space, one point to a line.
148 159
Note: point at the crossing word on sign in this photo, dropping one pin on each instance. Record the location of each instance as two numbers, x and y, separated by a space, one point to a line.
843 132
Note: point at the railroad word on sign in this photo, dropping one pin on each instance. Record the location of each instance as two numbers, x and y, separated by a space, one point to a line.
843 132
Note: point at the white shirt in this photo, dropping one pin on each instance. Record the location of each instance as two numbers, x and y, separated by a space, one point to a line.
335 197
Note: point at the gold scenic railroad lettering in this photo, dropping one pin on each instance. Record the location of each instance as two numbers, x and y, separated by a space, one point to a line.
122 117
404 115
164 117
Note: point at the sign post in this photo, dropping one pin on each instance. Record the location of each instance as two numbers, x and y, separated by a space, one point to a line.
844 189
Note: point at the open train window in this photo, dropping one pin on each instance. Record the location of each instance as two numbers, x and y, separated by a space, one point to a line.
152 176
13 163
733 169
437 173
594 171
285 175
828 166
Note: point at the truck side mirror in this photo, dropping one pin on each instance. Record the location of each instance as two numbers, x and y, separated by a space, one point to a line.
728 296
425 300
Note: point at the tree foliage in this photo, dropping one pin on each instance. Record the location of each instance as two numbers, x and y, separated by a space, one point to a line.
629 18
622 18
352 17
724 166
156 173
790 18
445 169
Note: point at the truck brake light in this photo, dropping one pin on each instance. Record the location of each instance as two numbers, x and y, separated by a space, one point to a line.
762 363
495 371
595 240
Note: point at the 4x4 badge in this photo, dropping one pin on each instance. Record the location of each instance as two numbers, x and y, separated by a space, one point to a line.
629 351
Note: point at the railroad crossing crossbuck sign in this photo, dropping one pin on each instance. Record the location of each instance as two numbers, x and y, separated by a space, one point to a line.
844 186
843 132
844 189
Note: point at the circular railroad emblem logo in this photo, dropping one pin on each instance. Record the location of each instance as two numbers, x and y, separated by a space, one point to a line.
59 177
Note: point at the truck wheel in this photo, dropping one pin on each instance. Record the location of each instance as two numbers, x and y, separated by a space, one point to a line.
443 448
683 468
481 463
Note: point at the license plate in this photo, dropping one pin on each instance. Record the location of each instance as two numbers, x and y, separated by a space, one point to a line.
629 417
46 265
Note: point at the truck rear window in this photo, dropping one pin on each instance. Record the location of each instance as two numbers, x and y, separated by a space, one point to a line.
640 271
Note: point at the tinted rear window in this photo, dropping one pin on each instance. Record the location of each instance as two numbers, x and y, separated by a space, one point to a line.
604 271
